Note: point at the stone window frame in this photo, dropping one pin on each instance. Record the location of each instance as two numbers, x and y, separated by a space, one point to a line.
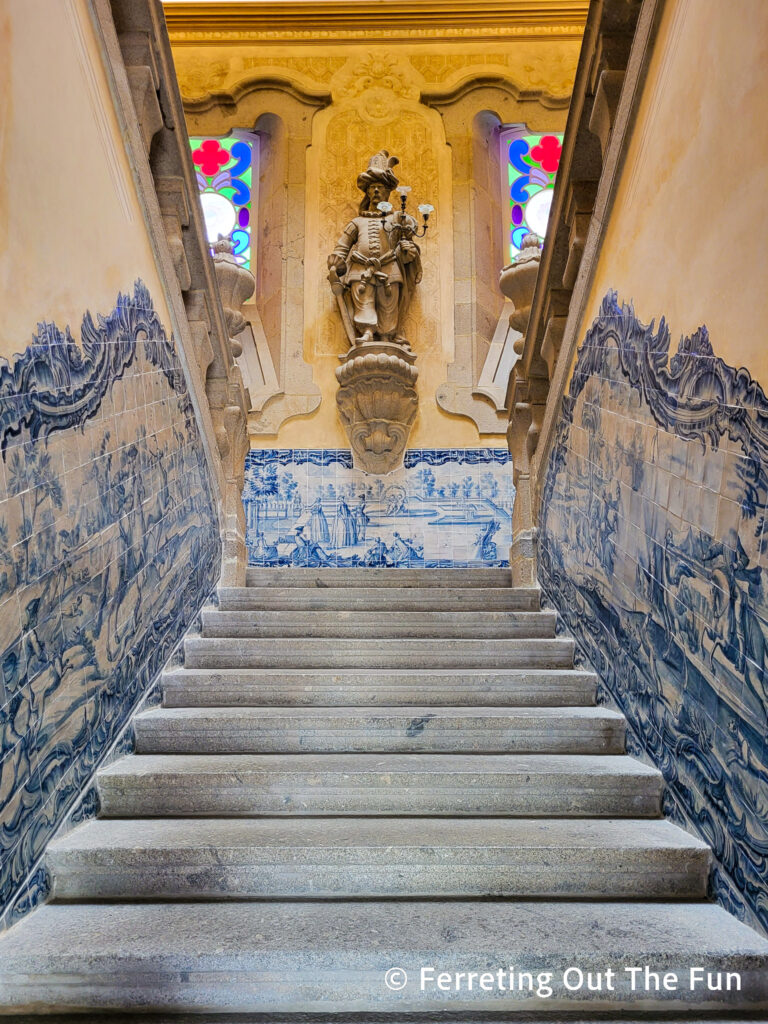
473 116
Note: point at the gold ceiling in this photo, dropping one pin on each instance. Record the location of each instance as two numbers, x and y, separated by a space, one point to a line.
240 20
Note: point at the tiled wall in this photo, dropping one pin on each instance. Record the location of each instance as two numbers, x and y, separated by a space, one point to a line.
446 507
109 543
654 547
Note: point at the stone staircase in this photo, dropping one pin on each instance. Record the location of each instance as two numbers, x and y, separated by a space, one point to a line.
365 770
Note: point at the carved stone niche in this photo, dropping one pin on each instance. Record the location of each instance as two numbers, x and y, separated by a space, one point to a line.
377 403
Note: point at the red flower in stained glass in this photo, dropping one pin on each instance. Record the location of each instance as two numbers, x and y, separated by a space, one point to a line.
547 153
210 156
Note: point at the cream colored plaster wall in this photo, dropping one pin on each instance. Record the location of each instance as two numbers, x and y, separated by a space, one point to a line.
359 97
687 234
71 229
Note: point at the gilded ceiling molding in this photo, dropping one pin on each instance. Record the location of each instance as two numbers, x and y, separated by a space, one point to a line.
222 20
475 34
229 99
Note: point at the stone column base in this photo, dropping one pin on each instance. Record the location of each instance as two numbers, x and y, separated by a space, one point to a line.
523 561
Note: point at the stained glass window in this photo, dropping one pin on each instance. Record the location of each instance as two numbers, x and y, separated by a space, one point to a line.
225 175
529 164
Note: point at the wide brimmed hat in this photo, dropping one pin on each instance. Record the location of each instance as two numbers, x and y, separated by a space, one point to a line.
379 170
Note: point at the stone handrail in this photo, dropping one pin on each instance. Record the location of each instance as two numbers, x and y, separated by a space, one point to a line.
137 57
614 58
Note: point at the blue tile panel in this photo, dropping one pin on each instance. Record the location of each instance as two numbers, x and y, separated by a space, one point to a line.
109 542
654 546
446 507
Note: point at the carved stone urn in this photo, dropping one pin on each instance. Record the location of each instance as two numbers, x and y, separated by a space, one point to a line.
518 280
236 285
373 272
377 403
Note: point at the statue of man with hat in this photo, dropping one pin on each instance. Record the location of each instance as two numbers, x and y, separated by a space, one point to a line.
376 265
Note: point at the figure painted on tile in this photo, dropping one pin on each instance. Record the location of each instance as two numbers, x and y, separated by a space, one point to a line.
361 519
376 265
737 631
262 552
396 498
344 533
378 555
318 524
485 549
403 552
308 553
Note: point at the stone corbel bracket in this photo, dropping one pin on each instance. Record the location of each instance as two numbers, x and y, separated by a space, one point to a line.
614 58
139 66
377 402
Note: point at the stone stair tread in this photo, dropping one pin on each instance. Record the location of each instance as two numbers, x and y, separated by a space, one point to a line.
381 577
400 785
436 764
371 598
237 687
362 712
229 838
293 652
383 857
383 623
327 729
435 1017
285 957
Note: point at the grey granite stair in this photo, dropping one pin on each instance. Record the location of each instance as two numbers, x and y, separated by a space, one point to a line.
310 687
255 730
346 624
574 785
358 770
224 652
381 578
311 957
374 598
394 857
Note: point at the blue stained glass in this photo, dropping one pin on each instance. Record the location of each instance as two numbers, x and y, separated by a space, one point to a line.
241 239
529 168
225 169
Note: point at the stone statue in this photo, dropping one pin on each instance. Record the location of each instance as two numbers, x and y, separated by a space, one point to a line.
373 272
376 265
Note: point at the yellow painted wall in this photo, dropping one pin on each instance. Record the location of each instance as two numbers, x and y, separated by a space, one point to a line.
375 91
687 234
72 229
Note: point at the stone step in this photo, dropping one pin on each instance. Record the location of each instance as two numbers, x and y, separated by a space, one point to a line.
522 1017
389 578
379 624
321 958
186 687
276 598
226 652
222 730
385 857
522 785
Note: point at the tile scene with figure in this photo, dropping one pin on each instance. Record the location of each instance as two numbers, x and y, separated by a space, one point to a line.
445 508
654 547
109 545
